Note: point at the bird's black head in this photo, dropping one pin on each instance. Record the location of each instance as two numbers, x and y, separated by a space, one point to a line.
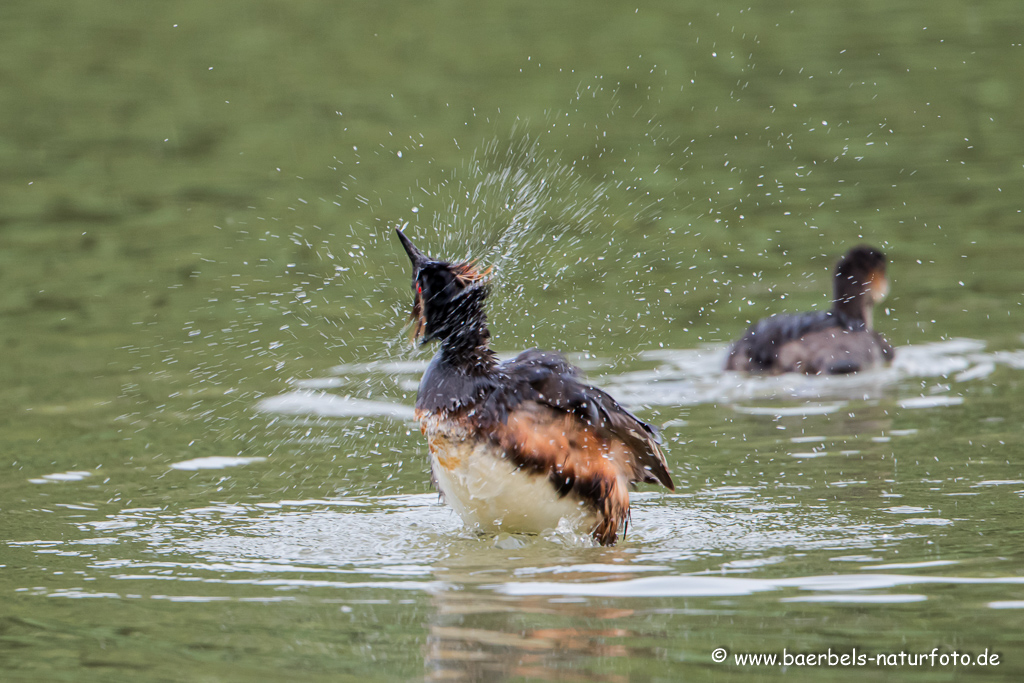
860 281
448 299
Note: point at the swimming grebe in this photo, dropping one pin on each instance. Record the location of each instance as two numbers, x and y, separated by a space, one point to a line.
519 445
837 341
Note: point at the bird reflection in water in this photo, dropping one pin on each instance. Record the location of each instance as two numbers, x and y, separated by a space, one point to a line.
480 637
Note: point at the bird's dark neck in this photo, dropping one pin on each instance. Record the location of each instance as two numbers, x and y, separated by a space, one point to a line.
464 369
853 311
470 356
457 379
460 324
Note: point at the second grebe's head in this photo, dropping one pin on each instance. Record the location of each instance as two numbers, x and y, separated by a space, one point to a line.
860 281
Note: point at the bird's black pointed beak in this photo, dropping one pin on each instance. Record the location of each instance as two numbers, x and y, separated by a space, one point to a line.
415 255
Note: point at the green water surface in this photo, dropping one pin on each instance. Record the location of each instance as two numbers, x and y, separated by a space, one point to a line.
197 203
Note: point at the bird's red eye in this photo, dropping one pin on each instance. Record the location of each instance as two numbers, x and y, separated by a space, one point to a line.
419 288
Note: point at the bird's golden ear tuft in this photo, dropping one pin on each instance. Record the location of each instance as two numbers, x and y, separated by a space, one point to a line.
878 285
468 274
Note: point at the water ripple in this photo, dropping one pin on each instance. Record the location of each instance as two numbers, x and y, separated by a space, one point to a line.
684 377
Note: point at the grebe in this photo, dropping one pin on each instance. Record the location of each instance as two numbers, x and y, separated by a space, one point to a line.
840 340
519 445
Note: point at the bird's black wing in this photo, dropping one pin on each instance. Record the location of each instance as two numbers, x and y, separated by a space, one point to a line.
544 380
762 340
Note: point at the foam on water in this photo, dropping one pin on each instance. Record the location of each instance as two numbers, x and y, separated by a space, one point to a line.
304 402
214 462
409 542
693 376
719 586
60 477
716 542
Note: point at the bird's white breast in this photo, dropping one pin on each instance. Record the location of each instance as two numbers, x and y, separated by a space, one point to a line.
490 492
